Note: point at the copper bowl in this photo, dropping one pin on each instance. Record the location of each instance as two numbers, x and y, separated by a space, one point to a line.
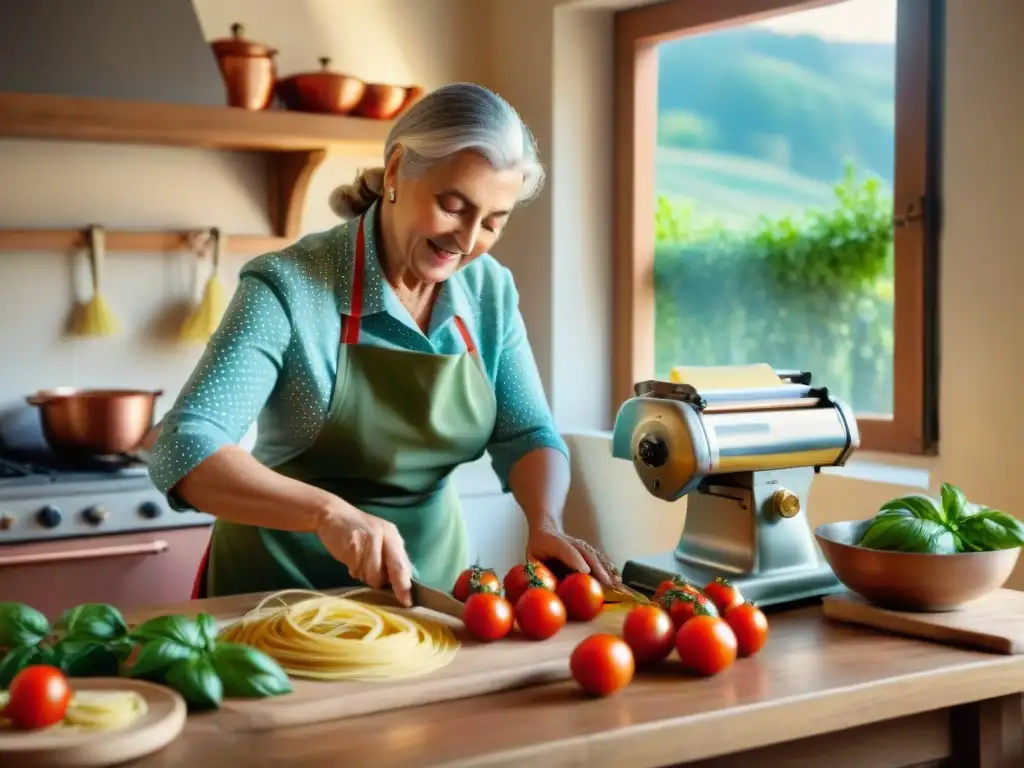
911 581
386 102
324 91
95 422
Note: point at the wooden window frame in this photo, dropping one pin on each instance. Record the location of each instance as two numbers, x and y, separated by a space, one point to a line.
913 426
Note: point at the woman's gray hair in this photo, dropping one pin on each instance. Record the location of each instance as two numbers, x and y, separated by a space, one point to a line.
446 121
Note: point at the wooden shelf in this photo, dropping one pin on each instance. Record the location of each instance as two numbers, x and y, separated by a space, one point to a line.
295 145
65 118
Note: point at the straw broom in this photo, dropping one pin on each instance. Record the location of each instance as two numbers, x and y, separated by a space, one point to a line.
95 317
201 324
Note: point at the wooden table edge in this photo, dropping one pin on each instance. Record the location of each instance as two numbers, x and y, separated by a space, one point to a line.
761 724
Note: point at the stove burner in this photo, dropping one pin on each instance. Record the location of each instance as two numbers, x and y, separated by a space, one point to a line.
10 469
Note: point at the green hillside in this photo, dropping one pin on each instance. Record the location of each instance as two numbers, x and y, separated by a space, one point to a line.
755 122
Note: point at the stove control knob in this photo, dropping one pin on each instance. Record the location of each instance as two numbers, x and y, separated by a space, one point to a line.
150 510
48 517
95 515
6 522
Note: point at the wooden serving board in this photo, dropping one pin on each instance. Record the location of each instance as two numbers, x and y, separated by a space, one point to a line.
992 623
58 748
478 669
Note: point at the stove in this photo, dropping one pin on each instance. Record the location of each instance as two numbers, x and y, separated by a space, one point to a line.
46 502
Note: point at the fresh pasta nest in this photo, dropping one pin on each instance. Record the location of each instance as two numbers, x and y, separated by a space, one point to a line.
325 637
97 710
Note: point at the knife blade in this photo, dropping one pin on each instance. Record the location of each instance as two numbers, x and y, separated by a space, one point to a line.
435 600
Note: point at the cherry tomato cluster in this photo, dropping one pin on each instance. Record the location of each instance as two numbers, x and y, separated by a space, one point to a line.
534 600
38 697
708 628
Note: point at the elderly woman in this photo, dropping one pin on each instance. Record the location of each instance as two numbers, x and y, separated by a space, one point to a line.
349 478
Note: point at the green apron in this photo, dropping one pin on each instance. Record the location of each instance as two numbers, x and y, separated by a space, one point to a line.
398 424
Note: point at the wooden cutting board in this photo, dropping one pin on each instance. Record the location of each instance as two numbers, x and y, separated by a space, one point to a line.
59 748
992 623
478 669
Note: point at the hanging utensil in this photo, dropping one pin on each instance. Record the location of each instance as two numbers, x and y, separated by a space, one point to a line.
201 324
95 317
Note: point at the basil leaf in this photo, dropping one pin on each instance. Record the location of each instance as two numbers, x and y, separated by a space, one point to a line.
122 647
921 507
92 621
156 657
207 630
179 629
196 680
21 625
900 530
990 529
954 504
85 658
16 660
249 673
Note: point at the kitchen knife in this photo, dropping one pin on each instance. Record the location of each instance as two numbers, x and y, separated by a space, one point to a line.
435 600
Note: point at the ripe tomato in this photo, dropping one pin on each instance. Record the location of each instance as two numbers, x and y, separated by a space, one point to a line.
649 633
602 664
676 584
706 645
475 579
521 577
582 595
487 616
539 613
750 626
38 697
723 594
683 606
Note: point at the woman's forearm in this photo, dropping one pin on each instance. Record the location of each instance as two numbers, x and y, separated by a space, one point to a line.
231 485
540 485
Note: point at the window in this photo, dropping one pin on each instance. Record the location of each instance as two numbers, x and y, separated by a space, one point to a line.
775 198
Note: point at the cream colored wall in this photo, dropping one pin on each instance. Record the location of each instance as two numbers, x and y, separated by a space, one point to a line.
72 185
982 267
552 59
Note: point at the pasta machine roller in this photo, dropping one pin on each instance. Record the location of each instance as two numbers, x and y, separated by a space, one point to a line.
745 457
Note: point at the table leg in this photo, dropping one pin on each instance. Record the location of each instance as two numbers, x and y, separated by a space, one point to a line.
989 734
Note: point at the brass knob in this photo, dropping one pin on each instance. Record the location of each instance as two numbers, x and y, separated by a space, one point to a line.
6 522
785 503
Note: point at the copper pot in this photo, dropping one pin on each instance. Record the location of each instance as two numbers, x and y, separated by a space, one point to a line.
386 102
95 422
248 70
324 91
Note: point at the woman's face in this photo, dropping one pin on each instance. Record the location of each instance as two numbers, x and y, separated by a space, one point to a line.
450 215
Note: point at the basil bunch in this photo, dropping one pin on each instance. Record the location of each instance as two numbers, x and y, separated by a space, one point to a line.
187 656
88 640
945 526
93 640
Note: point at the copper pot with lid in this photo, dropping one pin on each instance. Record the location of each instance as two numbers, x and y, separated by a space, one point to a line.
248 69
323 91
95 422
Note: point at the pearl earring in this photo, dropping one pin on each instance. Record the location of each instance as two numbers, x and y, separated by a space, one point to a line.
391 194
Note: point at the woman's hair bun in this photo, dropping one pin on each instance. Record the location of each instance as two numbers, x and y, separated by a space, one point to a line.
351 200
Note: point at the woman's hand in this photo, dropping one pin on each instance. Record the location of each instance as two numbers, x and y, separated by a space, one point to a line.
371 549
547 543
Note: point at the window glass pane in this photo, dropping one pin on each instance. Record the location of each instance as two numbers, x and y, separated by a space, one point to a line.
774 180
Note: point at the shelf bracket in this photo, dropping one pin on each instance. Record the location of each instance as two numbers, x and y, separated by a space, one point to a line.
288 177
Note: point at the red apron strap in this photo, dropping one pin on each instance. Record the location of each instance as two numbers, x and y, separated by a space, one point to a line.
467 337
350 323
199 584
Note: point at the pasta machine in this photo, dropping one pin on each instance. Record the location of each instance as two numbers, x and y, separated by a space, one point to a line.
745 454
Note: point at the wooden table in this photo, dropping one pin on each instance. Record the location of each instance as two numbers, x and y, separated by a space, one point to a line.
820 694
